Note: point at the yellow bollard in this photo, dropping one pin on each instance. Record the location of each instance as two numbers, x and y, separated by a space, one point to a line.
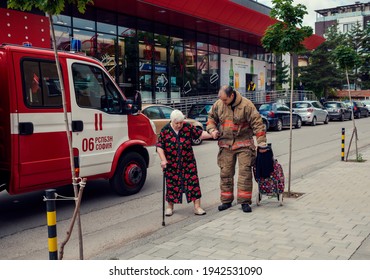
51 216
343 136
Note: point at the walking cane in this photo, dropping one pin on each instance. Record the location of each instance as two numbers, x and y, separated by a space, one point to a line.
163 197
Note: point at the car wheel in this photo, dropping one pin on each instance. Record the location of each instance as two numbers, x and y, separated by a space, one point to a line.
299 123
265 124
196 142
130 174
326 120
367 114
314 121
279 125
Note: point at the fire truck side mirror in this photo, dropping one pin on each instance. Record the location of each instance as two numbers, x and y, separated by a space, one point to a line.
106 103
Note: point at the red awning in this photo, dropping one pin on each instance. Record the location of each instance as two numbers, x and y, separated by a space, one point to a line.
218 17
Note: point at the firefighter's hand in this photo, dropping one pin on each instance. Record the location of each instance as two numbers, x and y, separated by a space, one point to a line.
263 149
215 134
164 164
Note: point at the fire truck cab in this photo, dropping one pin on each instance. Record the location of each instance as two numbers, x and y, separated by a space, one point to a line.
108 140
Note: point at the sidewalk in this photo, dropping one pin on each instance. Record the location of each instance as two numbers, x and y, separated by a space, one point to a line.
330 221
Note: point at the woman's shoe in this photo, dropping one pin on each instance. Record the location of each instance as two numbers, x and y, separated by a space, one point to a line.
199 211
168 212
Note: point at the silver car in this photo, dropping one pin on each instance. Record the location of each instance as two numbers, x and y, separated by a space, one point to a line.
311 112
366 103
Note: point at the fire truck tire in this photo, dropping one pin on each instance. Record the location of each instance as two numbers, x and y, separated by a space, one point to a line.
130 174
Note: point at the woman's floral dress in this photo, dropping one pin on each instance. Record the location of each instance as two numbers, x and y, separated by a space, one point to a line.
181 171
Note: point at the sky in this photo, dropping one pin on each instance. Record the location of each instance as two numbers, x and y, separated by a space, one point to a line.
313 5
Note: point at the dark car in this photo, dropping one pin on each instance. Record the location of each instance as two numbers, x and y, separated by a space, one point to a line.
359 110
338 110
278 115
199 112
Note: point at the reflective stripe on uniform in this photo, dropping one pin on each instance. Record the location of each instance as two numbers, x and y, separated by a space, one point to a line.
237 145
244 194
226 194
259 134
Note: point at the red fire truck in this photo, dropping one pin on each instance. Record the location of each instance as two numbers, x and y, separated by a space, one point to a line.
108 140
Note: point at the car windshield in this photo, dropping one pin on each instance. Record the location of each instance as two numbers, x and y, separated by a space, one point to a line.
332 105
265 107
200 109
301 105
367 102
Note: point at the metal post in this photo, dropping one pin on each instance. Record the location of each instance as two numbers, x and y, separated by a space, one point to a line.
51 217
343 136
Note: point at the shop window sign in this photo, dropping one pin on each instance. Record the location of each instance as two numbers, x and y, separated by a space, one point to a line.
147 67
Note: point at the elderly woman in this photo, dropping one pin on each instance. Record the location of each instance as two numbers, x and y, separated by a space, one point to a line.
177 158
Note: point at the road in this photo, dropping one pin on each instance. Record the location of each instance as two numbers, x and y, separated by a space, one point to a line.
109 220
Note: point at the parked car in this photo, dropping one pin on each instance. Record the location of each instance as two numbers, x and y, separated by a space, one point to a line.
160 115
278 115
366 103
338 110
359 110
311 112
200 111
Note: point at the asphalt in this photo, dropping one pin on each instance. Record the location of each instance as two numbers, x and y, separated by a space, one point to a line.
330 221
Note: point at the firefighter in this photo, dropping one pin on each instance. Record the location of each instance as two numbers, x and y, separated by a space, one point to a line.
251 86
233 120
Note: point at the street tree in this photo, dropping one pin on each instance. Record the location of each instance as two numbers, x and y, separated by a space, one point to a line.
51 8
287 36
321 75
282 73
355 39
348 59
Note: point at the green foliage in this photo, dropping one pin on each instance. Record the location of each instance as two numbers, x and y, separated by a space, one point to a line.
287 35
346 57
322 75
52 7
282 73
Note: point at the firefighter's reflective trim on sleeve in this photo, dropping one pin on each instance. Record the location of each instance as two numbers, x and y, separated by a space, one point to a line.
237 145
261 133
211 122
244 194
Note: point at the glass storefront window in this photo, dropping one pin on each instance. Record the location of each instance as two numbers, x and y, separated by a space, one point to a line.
213 44
161 78
62 20
224 46
189 39
202 71
62 37
88 41
106 52
190 74
214 72
127 58
80 23
177 70
234 48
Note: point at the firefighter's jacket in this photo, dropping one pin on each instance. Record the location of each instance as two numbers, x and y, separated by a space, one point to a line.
237 123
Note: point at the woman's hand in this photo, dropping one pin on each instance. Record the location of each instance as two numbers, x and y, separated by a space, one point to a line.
164 164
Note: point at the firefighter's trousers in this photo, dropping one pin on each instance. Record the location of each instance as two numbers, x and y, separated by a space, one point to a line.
227 161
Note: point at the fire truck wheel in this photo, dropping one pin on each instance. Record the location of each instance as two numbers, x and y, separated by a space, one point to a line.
130 174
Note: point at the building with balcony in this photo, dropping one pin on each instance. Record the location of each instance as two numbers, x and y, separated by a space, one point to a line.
344 16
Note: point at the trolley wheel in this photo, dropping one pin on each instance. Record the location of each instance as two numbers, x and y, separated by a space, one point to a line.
258 199
280 198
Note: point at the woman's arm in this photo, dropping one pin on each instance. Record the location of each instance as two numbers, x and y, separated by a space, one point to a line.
205 135
162 156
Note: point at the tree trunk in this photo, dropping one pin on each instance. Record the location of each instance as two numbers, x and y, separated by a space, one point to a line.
68 132
353 116
291 123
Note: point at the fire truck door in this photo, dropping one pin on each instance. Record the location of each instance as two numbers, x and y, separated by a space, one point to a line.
99 126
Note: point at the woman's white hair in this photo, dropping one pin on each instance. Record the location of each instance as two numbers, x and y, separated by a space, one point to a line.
177 116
